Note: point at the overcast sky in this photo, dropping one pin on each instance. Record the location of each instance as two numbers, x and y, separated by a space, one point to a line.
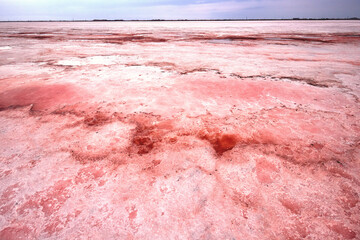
175 9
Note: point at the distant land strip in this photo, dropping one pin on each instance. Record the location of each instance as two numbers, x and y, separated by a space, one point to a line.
189 20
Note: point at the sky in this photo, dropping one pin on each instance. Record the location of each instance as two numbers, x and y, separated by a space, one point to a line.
175 9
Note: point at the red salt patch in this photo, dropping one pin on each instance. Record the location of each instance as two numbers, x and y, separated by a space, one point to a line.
340 172
15 233
265 170
154 163
224 143
5 173
245 200
97 119
55 197
317 146
101 183
343 231
296 231
42 97
145 144
173 140
88 173
9 193
58 223
54 226
49 200
6 200
291 204
133 214
348 198
220 142
147 135
6 208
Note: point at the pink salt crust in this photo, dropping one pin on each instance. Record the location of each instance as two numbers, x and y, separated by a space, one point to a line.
180 130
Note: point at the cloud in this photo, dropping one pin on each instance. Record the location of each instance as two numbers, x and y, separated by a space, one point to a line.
197 10
175 9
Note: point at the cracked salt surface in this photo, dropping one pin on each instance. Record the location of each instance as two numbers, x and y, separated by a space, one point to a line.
257 139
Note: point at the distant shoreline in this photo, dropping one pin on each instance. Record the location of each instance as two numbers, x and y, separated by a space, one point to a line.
192 20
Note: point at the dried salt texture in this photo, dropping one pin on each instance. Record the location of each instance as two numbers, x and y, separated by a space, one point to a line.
180 130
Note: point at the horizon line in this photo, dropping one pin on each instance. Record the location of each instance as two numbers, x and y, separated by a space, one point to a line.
179 20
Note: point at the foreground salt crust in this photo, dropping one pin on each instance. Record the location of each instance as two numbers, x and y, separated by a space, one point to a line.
180 130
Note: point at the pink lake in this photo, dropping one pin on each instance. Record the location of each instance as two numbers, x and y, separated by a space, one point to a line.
180 130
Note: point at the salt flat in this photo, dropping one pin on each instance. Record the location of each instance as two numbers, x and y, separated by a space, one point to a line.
180 130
